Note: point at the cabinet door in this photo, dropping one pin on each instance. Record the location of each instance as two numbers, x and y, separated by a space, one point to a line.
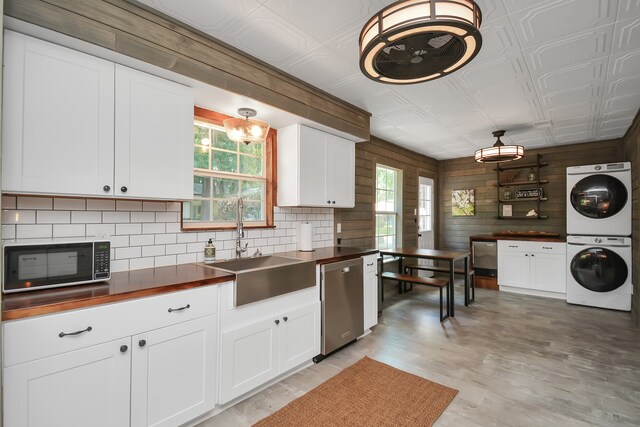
370 299
341 157
312 168
58 112
548 272
173 373
153 137
513 269
86 387
249 357
299 336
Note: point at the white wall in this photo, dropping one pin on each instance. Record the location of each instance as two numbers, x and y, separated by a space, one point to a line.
147 234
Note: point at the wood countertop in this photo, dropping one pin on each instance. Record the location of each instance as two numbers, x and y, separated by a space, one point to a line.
122 286
143 283
330 254
531 237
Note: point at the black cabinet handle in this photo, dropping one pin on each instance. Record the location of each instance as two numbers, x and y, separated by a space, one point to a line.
106 188
186 307
142 343
546 247
123 189
123 348
328 201
526 254
64 334
277 321
533 255
334 202
285 318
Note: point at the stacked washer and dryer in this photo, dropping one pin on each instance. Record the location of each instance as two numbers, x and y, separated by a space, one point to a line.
599 236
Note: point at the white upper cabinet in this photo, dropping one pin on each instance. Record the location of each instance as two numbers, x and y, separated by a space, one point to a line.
315 168
57 133
74 124
153 129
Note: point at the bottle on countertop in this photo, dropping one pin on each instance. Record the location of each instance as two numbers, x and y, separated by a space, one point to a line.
209 252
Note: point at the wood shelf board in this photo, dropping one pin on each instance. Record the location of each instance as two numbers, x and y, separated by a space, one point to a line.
534 199
519 183
524 217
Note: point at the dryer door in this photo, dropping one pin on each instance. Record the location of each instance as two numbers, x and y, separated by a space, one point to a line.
599 269
598 196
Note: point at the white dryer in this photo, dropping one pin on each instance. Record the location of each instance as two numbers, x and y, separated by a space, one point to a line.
599 271
599 199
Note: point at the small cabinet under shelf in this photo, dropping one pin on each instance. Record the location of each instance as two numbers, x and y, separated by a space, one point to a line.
520 190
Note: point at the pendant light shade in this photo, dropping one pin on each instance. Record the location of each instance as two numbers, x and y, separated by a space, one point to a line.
246 130
499 152
412 41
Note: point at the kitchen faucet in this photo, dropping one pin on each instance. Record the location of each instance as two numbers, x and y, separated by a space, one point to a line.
240 230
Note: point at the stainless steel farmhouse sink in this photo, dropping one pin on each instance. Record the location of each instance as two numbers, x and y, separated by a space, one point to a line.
267 276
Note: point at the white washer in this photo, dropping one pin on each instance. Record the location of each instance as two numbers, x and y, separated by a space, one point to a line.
599 199
599 271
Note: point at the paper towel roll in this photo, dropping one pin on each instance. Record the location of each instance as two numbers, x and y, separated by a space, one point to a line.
305 238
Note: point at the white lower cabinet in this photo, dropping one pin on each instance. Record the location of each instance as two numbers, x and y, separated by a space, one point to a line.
71 369
85 387
259 351
537 268
172 372
370 279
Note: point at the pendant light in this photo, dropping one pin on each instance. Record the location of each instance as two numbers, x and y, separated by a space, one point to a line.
499 152
246 130
412 41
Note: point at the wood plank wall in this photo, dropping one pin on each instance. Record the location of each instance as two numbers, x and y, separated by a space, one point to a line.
465 173
132 29
632 154
358 224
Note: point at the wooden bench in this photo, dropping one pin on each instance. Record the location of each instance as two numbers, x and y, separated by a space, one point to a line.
469 291
428 281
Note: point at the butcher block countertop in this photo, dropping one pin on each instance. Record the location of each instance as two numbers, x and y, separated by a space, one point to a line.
143 283
532 236
122 286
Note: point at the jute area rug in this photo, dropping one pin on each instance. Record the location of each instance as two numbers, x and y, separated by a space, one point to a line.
368 393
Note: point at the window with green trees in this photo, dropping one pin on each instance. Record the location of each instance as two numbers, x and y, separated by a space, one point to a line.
387 207
223 171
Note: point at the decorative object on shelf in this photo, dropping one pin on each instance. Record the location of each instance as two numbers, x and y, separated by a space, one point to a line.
529 193
507 210
499 152
507 194
508 177
532 212
246 130
531 176
412 41
463 202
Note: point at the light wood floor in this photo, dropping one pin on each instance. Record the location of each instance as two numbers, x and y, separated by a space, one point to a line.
516 361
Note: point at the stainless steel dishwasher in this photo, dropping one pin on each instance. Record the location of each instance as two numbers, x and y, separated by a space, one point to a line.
341 288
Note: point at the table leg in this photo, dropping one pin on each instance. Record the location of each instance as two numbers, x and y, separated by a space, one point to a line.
451 281
466 281
400 268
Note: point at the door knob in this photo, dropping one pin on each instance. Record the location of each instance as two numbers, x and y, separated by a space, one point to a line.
328 201
106 188
142 343
123 189
277 321
419 235
123 349
285 318
334 202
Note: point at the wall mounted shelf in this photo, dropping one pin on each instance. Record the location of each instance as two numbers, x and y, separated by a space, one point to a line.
514 178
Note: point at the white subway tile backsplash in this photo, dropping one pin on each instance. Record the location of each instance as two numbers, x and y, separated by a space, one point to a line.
148 234
86 217
161 261
34 203
8 202
128 205
142 240
53 217
140 263
115 217
154 206
18 217
152 228
69 230
34 231
8 232
101 205
63 203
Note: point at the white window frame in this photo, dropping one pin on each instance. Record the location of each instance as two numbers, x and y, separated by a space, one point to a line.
397 212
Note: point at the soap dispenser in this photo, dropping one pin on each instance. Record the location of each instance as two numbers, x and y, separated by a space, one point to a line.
209 252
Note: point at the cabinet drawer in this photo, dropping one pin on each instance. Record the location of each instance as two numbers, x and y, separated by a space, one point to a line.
526 246
370 263
551 247
34 338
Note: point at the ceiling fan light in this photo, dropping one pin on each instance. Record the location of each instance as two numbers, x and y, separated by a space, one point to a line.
412 39
499 152
245 129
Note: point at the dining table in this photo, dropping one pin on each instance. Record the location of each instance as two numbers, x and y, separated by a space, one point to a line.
450 257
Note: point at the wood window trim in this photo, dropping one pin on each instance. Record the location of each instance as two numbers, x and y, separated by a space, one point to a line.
271 171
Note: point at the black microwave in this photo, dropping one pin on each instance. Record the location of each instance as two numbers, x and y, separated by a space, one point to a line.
31 266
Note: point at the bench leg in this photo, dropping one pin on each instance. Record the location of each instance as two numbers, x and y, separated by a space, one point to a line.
472 279
442 316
